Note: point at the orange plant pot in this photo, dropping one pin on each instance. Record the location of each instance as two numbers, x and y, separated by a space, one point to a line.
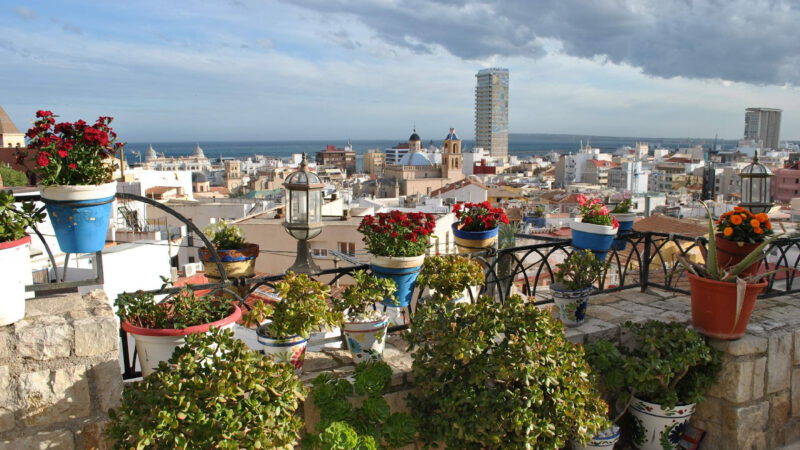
729 254
714 307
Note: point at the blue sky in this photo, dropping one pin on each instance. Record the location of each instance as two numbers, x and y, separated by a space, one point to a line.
338 69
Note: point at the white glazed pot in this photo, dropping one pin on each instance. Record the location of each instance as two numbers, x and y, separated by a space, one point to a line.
605 440
366 340
656 428
290 349
572 305
15 268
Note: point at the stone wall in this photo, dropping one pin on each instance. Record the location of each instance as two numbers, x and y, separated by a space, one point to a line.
59 373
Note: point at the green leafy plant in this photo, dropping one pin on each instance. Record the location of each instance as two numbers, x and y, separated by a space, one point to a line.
214 393
450 275
12 177
500 376
608 369
258 312
225 236
538 211
15 219
623 207
303 308
580 270
182 310
358 300
345 427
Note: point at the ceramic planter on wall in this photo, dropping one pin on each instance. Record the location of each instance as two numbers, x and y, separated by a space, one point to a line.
603 440
730 253
403 270
238 263
290 349
572 305
366 340
714 307
597 238
655 428
15 268
474 241
80 215
154 345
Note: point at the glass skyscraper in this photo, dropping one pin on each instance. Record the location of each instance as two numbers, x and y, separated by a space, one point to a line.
491 111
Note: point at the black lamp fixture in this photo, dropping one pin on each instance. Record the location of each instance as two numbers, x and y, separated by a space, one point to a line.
303 214
756 194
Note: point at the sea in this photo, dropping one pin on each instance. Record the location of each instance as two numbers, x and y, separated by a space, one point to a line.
522 145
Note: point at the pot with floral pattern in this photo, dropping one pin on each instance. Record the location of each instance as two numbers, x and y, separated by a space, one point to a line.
574 282
605 439
571 304
290 349
657 428
366 340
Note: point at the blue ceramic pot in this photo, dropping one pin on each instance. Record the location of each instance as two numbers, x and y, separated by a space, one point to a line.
625 221
403 271
474 241
80 215
597 238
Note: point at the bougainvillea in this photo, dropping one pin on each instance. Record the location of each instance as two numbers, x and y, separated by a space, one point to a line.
479 216
595 212
397 233
740 225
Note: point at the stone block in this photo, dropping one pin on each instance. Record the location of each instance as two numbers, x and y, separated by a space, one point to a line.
6 342
55 440
746 425
603 299
318 361
737 380
795 392
641 297
779 365
596 329
746 345
107 384
96 335
7 420
779 410
92 436
673 316
7 383
47 337
53 305
709 411
574 335
606 313
796 347
53 396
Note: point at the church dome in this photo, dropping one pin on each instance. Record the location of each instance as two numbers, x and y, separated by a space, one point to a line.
414 137
199 177
198 152
415 159
151 154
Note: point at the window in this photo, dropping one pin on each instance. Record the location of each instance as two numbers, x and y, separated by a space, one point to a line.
319 252
191 259
348 248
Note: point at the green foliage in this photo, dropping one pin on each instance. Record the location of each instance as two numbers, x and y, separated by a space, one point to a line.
224 235
580 270
608 367
303 307
623 207
450 275
12 177
367 427
214 393
182 310
666 363
538 211
259 311
357 300
500 376
14 220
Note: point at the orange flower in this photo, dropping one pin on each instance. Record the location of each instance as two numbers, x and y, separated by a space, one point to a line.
738 209
768 225
755 223
762 217
727 231
758 230
736 219
744 215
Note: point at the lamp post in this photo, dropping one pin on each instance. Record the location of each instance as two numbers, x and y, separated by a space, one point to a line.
303 215
756 195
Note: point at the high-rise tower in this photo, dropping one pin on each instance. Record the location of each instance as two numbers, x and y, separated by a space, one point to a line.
491 111
763 125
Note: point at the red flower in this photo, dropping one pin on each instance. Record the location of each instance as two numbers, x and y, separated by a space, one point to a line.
43 159
73 166
63 153
43 113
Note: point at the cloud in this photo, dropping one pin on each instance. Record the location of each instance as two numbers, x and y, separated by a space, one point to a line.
25 13
751 41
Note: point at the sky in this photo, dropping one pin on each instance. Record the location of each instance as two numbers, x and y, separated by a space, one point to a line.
217 70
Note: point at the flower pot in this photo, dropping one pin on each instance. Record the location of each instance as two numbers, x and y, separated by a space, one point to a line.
597 238
404 270
366 339
290 349
656 428
619 244
15 268
474 241
605 439
731 253
537 222
625 221
572 305
238 263
80 215
714 307
154 345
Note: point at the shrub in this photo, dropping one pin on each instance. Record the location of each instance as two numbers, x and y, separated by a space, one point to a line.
215 393
450 275
182 310
303 307
580 270
12 177
225 236
358 300
15 220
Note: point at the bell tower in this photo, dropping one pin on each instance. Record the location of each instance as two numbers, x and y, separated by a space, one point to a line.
452 157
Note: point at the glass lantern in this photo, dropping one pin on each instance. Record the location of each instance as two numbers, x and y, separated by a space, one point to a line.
756 194
303 214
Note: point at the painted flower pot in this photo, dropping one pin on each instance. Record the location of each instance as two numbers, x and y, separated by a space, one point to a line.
290 349
80 215
731 253
366 339
619 244
572 305
625 221
403 270
606 439
474 241
655 428
154 345
597 238
238 263
537 222
15 268
714 307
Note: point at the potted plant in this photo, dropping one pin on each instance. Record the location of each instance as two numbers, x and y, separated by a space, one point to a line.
364 325
397 242
739 233
302 309
487 377
537 216
722 300
450 276
15 255
597 227
74 165
214 393
238 257
160 327
622 212
477 226
667 368
368 426
574 282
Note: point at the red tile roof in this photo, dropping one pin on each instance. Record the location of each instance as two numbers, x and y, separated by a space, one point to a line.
456 185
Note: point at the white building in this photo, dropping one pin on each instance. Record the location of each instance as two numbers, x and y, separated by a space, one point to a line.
629 176
491 111
570 168
463 191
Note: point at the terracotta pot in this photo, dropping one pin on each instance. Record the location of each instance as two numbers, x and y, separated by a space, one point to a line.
730 253
714 307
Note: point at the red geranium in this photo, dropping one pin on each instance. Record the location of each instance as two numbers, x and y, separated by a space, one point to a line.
479 216
397 233
594 211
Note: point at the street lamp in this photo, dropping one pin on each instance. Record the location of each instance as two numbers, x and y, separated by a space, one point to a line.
756 195
303 215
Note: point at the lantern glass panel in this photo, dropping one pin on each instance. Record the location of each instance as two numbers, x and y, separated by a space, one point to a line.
298 210
315 206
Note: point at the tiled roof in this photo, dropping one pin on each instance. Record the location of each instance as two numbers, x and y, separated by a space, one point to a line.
659 223
457 185
6 125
